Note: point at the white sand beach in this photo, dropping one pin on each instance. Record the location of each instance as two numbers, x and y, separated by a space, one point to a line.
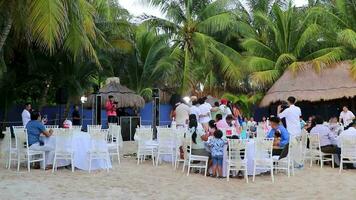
129 181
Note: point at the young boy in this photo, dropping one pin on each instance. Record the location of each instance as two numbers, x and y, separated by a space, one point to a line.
216 145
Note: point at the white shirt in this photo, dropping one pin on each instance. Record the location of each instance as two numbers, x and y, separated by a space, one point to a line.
225 111
349 132
325 135
194 110
26 117
292 116
204 109
182 113
347 117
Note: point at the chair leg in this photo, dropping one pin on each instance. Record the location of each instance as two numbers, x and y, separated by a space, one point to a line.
341 164
71 162
54 163
183 166
332 161
188 168
8 164
272 176
246 175
138 158
44 161
321 162
18 161
254 172
118 156
206 168
89 163
28 164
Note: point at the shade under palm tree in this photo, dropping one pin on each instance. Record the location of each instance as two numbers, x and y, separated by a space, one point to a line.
124 96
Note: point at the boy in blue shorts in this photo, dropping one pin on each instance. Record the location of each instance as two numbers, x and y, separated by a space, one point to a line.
216 145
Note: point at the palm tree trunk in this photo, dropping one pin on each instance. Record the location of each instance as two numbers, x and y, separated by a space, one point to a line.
185 68
5 31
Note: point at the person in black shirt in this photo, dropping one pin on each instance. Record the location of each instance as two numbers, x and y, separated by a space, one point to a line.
76 116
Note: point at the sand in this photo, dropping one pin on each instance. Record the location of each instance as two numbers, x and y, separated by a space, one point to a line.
129 181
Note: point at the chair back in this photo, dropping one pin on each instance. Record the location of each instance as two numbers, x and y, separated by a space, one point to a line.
51 126
165 137
263 148
64 141
114 135
314 142
237 148
76 127
260 132
187 144
98 141
21 140
18 128
143 135
348 146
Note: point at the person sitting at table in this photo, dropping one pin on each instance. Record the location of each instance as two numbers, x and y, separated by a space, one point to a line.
34 130
198 137
278 131
334 126
350 131
327 138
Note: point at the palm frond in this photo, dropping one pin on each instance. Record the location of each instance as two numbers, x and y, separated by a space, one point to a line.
347 37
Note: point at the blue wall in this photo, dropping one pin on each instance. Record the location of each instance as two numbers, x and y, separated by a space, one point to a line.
52 112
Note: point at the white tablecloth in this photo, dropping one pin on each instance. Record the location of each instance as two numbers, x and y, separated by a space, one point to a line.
81 146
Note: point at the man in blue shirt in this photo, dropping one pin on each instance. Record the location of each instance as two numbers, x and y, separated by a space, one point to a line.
35 129
278 131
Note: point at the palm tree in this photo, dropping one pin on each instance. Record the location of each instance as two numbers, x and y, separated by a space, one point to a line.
245 101
286 38
52 25
339 20
192 25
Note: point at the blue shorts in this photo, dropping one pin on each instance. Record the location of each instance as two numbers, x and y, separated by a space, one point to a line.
217 160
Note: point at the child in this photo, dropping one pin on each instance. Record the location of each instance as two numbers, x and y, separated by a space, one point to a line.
216 145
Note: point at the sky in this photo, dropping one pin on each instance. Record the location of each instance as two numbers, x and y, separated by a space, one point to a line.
137 8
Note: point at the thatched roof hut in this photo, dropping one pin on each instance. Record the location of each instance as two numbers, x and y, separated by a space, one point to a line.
332 82
124 96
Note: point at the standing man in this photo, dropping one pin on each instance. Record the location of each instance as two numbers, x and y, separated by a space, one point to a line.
76 116
292 115
111 109
26 114
182 114
205 113
346 116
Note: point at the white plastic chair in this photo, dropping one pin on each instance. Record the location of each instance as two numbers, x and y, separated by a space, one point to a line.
114 141
315 152
145 145
10 148
286 163
23 150
263 156
166 144
348 150
203 160
98 147
237 148
63 148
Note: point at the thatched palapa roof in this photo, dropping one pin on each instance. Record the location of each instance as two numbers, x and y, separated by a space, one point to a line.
332 82
124 96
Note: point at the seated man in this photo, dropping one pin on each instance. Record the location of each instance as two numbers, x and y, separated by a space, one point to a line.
281 135
350 131
327 138
34 130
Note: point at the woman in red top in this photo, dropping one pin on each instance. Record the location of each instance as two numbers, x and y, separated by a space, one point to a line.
111 110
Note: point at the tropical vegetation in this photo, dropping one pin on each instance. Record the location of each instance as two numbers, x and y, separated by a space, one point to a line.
200 46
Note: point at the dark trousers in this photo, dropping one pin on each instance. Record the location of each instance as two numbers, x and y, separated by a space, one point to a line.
282 153
112 119
331 149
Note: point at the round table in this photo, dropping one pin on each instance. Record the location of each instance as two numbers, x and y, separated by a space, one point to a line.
81 147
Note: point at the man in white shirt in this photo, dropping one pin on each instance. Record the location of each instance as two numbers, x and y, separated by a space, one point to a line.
26 115
350 131
346 116
292 115
224 109
182 114
205 113
194 110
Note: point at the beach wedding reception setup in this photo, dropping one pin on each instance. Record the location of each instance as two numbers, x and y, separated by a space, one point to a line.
178 99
